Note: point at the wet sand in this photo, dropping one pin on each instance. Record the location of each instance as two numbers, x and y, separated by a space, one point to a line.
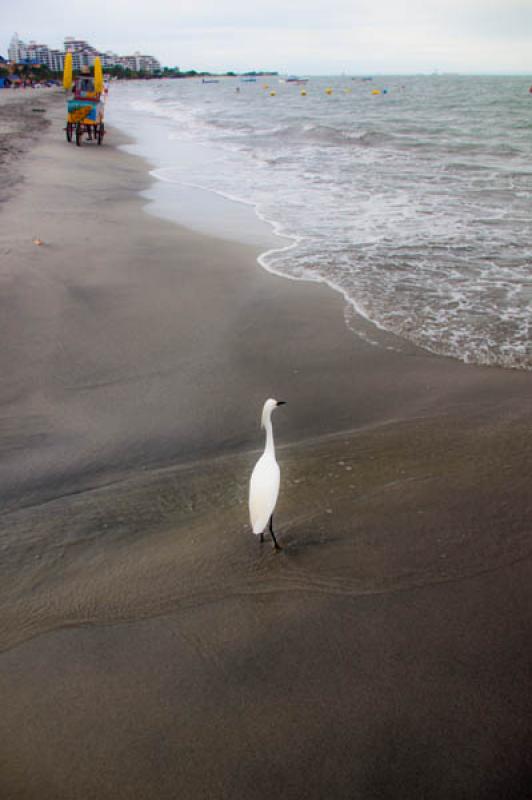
151 646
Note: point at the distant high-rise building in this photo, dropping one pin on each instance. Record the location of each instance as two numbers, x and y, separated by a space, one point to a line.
57 60
17 50
83 55
109 59
139 63
37 53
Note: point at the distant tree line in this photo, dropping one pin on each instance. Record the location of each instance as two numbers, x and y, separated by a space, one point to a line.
40 73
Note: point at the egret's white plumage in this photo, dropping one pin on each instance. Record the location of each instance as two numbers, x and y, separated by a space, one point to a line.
265 478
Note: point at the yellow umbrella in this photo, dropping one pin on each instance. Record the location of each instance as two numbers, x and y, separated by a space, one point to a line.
98 76
67 71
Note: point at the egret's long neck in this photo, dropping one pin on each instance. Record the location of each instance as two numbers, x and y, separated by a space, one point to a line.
270 448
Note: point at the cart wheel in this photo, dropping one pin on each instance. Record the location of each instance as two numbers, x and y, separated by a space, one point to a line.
69 128
78 134
101 132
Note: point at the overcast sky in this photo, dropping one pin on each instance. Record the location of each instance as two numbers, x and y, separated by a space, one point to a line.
304 36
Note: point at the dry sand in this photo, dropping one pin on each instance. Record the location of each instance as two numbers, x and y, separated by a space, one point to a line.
152 648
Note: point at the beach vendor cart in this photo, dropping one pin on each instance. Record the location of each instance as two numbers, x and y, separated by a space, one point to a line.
85 109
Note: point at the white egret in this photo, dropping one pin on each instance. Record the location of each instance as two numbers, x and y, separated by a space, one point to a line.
265 479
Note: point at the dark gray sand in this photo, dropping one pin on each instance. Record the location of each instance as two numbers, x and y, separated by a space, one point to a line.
23 119
151 647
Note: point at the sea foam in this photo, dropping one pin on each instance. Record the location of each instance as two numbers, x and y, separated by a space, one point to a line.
414 204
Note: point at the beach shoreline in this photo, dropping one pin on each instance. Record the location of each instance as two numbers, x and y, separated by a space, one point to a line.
150 646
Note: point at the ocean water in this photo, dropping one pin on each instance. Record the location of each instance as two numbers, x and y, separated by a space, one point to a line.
415 203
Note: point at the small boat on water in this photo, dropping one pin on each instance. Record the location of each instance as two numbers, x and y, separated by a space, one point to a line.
209 80
294 79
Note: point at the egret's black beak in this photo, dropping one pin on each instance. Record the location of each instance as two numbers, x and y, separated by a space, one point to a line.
281 402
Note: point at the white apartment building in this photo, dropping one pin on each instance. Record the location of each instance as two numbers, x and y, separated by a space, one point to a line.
139 62
38 53
83 55
147 63
19 52
109 59
57 60
17 49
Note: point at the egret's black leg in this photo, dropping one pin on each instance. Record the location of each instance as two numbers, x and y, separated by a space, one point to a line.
262 536
275 545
